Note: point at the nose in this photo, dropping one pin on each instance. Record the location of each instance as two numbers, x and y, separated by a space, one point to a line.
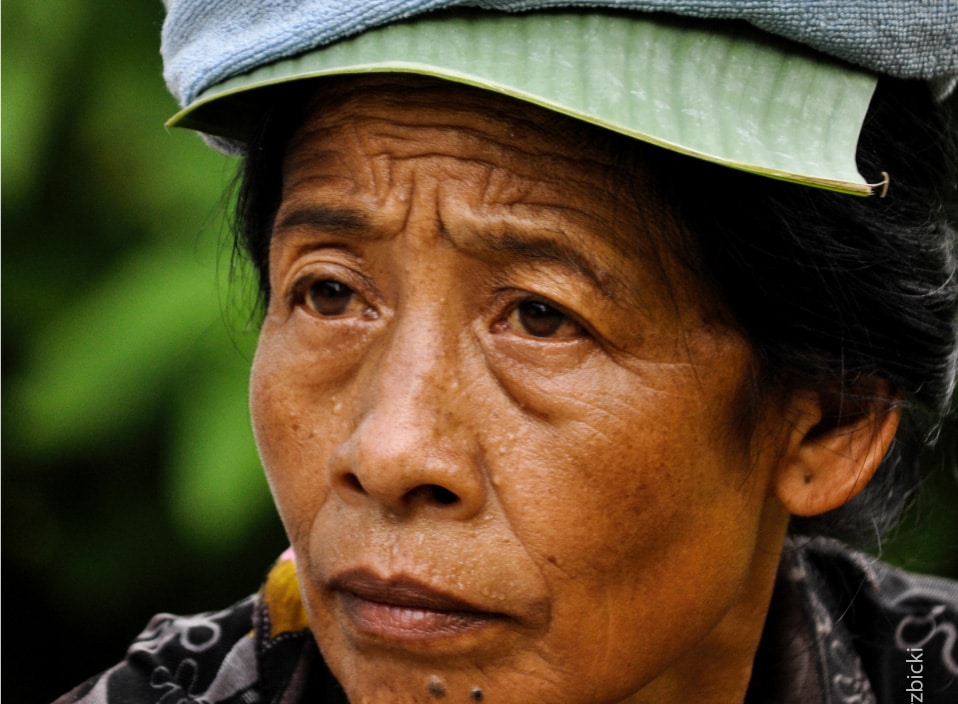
413 448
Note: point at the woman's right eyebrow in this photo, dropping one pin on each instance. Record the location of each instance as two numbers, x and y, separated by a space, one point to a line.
337 221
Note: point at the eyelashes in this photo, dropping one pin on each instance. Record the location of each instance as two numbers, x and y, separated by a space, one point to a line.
329 298
527 315
537 318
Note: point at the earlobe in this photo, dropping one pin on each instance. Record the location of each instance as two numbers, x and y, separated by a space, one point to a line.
834 447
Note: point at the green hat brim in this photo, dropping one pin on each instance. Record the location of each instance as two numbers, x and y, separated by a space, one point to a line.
719 91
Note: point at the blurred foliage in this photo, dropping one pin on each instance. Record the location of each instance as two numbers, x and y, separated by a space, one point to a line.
130 478
131 483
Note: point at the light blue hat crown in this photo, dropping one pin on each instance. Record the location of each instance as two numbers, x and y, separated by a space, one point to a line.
205 42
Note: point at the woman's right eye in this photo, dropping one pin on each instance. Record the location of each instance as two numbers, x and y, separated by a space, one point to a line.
328 297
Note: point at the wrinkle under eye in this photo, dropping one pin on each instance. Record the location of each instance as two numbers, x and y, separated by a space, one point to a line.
539 319
329 297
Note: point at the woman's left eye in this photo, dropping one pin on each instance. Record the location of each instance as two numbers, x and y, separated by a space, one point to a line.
329 297
539 319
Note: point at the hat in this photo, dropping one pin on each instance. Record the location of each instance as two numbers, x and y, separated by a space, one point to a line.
722 91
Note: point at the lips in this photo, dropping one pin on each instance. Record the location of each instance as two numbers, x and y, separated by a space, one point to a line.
403 609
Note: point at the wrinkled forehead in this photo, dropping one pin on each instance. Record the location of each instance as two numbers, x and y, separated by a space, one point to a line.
538 158
405 98
420 115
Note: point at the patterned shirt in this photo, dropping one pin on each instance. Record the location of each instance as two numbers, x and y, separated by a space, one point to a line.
843 628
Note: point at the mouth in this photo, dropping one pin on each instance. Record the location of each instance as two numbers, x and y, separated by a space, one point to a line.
405 610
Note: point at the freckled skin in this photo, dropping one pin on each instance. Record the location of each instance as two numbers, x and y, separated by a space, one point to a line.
497 396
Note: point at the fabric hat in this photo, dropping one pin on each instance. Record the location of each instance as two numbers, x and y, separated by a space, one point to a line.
724 91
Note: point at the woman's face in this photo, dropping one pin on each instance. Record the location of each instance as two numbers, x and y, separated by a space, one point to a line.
502 426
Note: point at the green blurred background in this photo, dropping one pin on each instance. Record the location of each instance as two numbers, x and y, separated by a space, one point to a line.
130 482
130 479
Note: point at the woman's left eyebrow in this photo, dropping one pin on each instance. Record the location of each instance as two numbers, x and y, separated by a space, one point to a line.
537 249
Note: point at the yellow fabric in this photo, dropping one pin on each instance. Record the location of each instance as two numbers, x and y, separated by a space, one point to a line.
283 600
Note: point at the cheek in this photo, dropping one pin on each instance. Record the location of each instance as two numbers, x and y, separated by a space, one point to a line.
635 503
636 484
284 406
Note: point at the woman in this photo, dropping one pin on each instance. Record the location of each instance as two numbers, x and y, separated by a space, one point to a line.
548 411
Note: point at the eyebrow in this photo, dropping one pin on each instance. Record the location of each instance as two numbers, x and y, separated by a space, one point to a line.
536 250
340 221
531 248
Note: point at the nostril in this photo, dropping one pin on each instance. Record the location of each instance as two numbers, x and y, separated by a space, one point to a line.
441 495
352 482
433 494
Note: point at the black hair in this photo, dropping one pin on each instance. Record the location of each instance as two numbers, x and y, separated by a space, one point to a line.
832 290
836 290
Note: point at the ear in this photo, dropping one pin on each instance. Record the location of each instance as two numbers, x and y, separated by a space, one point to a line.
835 444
